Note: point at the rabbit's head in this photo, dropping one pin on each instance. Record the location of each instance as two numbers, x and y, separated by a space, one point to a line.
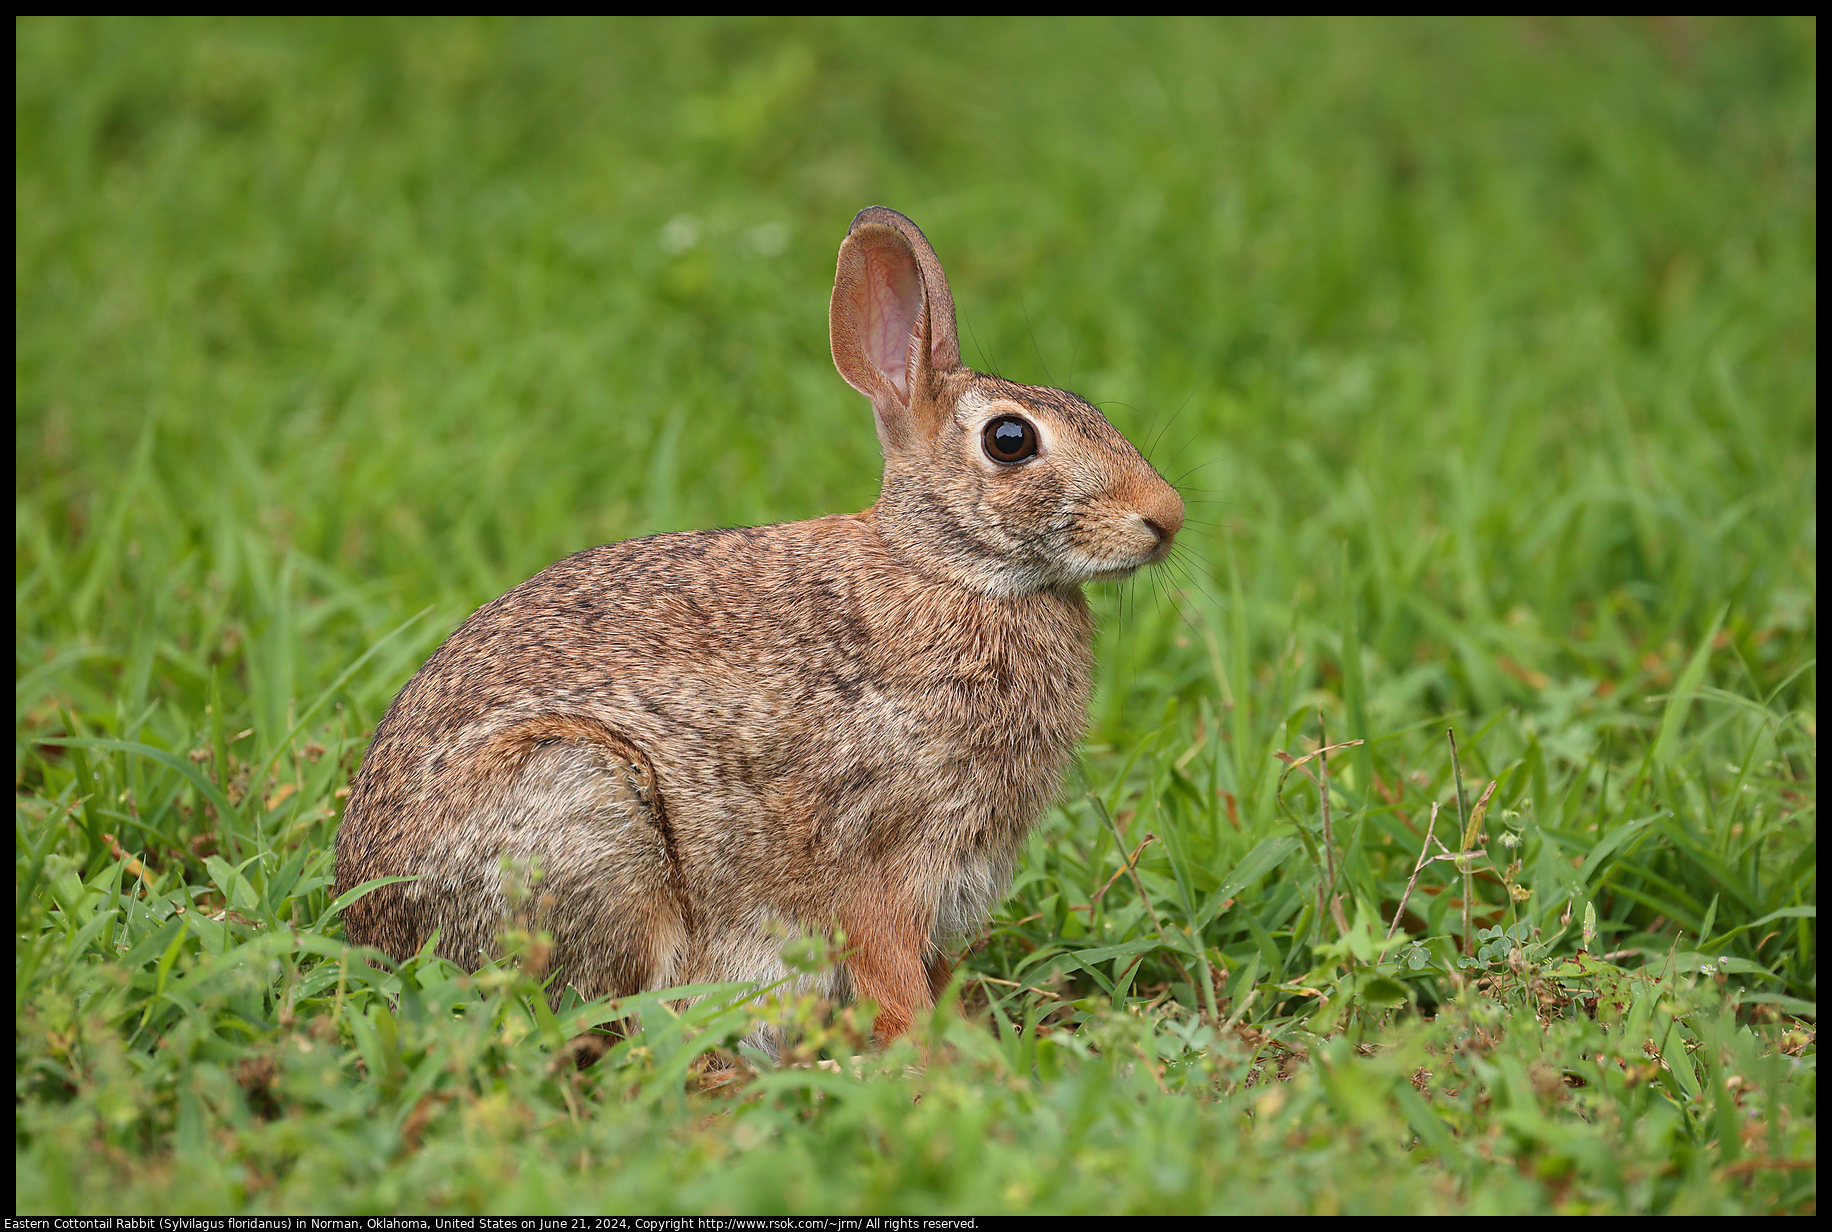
1008 489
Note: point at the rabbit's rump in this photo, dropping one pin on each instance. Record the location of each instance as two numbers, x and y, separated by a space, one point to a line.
576 831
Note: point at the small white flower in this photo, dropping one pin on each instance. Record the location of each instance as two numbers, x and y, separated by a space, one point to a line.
681 233
768 239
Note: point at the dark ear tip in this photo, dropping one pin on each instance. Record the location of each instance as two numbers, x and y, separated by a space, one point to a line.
884 216
860 217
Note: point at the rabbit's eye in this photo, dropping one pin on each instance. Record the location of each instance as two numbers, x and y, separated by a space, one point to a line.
1010 440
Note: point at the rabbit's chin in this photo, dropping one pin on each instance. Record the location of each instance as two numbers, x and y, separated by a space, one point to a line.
1062 577
1115 575
1019 584
1080 572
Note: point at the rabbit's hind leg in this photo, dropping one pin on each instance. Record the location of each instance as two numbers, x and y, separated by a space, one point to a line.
584 831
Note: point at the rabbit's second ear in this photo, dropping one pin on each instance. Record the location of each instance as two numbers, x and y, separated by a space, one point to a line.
892 317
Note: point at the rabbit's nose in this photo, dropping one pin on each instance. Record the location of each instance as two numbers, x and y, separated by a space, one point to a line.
1164 515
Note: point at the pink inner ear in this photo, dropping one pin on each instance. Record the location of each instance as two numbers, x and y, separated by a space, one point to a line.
894 298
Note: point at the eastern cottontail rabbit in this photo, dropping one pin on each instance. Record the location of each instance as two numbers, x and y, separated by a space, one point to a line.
707 741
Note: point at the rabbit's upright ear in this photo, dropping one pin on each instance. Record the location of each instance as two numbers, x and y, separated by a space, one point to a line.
892 323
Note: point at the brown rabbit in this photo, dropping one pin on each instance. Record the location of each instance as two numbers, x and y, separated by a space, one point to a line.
690 746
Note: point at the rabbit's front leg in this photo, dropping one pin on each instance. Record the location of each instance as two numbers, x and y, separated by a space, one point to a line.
886 936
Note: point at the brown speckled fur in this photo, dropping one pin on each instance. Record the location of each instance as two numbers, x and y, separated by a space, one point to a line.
675 752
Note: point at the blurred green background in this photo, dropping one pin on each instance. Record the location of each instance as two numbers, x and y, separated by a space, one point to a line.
435 302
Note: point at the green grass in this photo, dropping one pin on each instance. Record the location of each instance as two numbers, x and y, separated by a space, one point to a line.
1483 352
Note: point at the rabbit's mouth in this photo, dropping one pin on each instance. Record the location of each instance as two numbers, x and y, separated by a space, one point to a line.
1146 541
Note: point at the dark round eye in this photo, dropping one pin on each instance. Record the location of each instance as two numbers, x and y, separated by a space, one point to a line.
1010 440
